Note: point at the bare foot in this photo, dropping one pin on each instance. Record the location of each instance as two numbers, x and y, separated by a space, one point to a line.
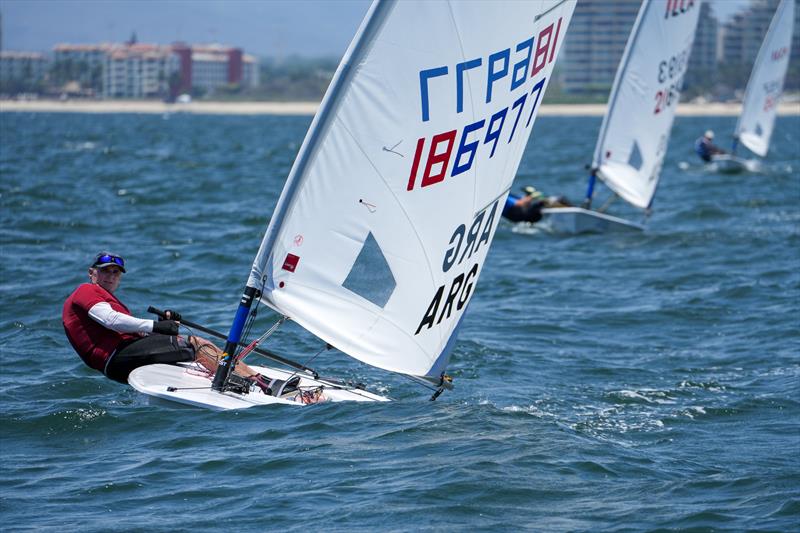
311 396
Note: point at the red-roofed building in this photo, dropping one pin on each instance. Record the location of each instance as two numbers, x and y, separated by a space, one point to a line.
138 71
209 67
142 70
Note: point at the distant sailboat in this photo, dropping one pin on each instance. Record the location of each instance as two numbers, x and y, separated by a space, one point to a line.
387 215
641 108
763 92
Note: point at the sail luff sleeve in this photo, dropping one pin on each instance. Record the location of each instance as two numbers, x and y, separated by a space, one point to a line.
377 13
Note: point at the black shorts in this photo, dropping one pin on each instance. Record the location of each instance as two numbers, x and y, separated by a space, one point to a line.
529 213
154 348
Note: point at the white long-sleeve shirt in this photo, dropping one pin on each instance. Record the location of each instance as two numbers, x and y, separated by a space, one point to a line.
103 314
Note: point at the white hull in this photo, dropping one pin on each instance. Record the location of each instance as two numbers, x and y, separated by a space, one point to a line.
187 384
575 220
730 164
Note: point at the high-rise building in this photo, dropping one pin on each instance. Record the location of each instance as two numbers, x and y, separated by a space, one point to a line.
23 66
743 34
594 44
209 67
250 71
138 71
82 63
703 59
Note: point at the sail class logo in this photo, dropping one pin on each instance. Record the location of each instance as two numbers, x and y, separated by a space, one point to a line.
676 8
290 263
780 53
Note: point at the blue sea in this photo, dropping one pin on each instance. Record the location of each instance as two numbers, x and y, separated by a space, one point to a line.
637 382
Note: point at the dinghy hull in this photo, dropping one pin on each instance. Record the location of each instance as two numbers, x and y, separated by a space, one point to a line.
575 220
729 164
189 385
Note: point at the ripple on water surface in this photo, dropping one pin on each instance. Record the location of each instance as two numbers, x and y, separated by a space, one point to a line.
643 382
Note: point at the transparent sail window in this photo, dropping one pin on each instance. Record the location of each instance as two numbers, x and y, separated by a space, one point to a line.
370 277
635 159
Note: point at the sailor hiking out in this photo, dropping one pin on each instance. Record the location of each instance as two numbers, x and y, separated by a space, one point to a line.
705 147
110 340
528 207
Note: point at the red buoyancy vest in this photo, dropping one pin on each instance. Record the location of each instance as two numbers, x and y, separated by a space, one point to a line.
93 342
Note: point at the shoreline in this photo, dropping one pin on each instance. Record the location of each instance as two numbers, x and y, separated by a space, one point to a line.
309 108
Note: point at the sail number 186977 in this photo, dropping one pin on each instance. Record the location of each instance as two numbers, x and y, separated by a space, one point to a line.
503 70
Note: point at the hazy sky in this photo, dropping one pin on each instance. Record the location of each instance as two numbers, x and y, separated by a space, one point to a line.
261 27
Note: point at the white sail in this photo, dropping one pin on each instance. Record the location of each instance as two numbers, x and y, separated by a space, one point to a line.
387 215
641 108
765 86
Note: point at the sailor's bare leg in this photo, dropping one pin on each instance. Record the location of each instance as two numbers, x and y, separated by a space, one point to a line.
208 354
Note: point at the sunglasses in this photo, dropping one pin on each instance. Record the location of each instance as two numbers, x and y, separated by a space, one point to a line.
106 258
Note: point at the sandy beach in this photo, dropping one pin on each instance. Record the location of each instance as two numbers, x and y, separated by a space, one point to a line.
309 108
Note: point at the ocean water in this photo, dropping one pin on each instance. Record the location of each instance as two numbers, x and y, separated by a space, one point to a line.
602 383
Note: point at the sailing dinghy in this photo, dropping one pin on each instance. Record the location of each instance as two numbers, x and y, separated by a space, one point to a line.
636 127
385 220
762 95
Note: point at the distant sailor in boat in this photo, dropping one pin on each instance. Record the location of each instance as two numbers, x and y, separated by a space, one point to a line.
528 208
103 332
705 147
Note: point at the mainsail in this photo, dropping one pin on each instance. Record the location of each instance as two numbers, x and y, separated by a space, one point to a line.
765 86
633 138
387 215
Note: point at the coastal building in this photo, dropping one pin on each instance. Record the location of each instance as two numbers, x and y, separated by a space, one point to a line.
721 57
81 63
594 44
250 71
742 37
86 54
23 66
209 67
138 71
702 67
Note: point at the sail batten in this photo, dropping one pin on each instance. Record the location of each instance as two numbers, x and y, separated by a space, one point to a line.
635 131
379 236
